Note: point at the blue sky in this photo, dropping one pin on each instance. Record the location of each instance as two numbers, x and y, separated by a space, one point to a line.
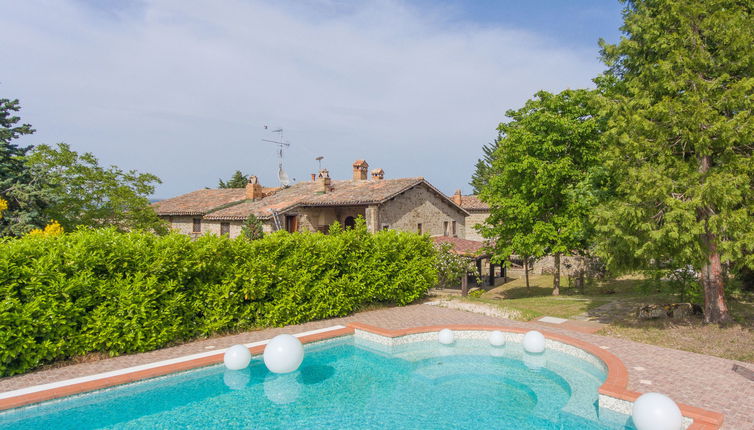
183 88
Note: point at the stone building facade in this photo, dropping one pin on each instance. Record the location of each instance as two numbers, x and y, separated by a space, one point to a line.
406 204
478 213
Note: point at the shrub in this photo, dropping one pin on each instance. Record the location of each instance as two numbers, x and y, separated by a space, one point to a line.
98 290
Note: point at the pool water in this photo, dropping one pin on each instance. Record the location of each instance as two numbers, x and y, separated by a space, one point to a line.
351 383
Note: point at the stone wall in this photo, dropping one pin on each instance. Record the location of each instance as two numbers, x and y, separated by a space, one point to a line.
185 225
569 265
214 227
420 205
182 224
320 218
473 219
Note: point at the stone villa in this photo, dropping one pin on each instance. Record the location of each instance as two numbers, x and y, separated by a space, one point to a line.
407 204
478 213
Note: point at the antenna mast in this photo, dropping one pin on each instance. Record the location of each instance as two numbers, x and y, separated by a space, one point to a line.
282 176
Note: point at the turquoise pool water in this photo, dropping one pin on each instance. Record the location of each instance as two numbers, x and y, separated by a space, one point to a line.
351 383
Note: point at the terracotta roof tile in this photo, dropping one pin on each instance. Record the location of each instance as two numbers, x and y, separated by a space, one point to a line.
461 246
472 202
231 204
199 202
343 193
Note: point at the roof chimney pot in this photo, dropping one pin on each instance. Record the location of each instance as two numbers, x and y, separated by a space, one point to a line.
323 181
254 189
360 169
457 198
378 174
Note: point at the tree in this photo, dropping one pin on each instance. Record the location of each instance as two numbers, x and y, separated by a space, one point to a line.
252 228
453 268
680 137
90 195
483 168
25 198
238 180
541 188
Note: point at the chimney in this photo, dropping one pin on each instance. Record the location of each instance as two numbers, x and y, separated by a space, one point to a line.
360 168
457 197
378 174
254 189
323 182
314 177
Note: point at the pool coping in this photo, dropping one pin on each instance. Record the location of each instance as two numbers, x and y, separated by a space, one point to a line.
614 389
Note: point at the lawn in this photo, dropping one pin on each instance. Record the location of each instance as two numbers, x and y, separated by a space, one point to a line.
614 303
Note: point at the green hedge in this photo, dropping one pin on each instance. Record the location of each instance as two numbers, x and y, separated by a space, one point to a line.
100 290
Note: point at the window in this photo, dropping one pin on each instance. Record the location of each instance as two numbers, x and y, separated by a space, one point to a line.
445 229
350 222
197 225
454 229
419 228
224 228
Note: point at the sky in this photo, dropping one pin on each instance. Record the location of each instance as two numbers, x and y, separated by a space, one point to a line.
184 88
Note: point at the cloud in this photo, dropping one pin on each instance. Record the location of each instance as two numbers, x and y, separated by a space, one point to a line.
182 88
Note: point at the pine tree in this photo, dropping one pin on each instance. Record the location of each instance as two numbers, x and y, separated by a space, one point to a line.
24 196
238 180
679 98
483 168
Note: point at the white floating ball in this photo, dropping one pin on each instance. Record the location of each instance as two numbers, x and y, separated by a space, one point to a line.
655 411
236 379
534 342
445 336
237 357
497 338
283 354
282 389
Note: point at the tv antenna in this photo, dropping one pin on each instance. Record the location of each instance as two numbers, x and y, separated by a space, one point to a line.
282 176
319 160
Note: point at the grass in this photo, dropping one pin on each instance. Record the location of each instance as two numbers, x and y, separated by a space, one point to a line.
734 341
537 300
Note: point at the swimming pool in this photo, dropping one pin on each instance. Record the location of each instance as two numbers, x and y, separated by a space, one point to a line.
355 382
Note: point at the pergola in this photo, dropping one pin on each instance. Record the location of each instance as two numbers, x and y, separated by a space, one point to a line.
472 249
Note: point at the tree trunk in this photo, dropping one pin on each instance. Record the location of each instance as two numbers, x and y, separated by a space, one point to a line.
465 285
526 271
715 309
712 280
556 279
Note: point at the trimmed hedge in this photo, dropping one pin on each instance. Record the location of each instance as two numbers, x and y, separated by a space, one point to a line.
100 290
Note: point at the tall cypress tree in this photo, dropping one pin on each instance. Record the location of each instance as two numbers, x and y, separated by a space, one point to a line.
679 97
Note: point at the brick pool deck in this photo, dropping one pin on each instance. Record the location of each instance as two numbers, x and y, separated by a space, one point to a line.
694 379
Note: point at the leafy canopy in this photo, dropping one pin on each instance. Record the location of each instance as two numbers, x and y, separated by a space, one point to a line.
88 194
541 189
